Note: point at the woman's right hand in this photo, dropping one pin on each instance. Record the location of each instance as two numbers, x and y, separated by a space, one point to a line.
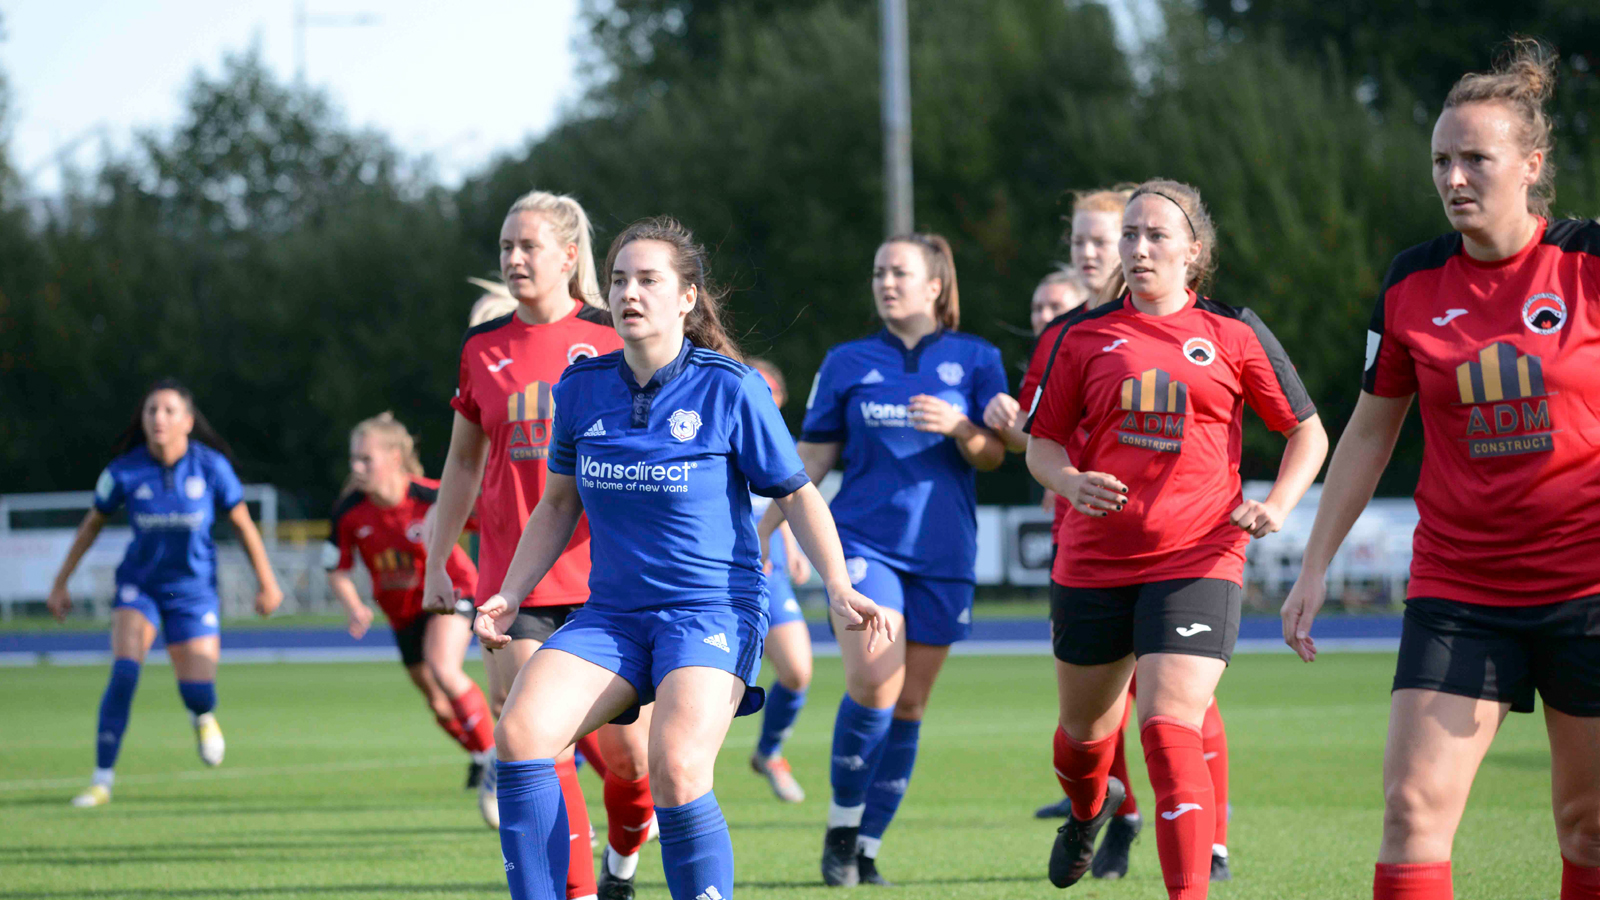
438 591
1096 494
484 625
1300 609
59 603
1002 412
860 614
360 617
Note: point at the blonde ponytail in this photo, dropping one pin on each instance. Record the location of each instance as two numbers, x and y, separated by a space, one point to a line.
571 225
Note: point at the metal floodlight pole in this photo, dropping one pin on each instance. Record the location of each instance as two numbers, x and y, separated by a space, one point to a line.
896 58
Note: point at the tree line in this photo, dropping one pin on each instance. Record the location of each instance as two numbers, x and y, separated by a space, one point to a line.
301 274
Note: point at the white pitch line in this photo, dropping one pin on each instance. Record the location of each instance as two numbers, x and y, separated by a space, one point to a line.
37 784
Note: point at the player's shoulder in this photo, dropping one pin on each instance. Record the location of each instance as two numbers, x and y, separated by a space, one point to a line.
1082 320
1428 256
423 490
854 348
1573 236
594 315
130 461
583 374
346 505
483 329
973 344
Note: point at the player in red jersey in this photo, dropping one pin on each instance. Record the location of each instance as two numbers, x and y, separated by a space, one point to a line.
500 439
1495 329
1096 221
1150 572
380 518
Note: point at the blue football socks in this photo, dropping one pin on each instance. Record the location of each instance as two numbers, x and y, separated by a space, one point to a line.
114 706
199 696
858 741
777 720
889 782
696 851
533 829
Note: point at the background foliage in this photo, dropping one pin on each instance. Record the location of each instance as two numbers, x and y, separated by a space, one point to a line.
302 275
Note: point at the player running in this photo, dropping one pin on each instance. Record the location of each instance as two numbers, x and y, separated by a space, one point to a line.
894 407
788 643
1150 572
1495 329
500 440
172 471
1096 221
661 444
380 517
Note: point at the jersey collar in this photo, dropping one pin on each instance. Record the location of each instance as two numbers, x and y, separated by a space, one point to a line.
663 375
911 355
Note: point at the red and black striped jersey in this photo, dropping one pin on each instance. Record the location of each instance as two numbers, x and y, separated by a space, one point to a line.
1161 401
389 541
1028 395
507 370
1505 359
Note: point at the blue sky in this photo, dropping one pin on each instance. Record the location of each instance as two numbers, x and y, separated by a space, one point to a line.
457 81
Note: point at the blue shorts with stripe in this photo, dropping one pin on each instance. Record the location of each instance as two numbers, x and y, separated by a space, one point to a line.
938 611
181 617
644 645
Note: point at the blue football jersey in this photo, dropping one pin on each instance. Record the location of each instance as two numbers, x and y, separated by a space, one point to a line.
908 499
171 511
665 472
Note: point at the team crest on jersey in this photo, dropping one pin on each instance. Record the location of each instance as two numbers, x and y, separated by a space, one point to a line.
580 351
950 373
414 532
1199 351
194 487
128 593
1544 313
684 424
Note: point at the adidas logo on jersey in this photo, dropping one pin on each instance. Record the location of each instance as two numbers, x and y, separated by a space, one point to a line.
873 377
143 492
598 429
710 893
719 641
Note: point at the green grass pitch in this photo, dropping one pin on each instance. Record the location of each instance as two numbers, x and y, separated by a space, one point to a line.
338 785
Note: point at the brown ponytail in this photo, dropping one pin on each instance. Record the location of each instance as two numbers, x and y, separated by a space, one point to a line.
703 326
941 265
1523 79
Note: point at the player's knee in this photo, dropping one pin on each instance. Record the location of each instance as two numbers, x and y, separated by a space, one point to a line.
676 780
798 676
910 709
520 736
1578 829
1415 819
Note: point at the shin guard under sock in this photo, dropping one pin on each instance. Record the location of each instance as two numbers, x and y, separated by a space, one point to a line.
1083 770
1184 819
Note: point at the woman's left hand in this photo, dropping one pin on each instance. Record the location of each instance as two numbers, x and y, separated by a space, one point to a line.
267 600
1260 519
929 413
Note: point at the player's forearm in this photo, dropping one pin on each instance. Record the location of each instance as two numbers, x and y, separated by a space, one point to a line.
814 529
344 590
980 447
543 538
1358 462
1303 456
1015 439
458 490
88 530
254 547
1049 465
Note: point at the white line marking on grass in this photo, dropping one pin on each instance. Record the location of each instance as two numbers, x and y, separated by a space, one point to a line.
36 784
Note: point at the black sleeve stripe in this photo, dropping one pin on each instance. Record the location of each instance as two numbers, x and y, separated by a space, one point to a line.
785 487
423 494
596 315
1574 235
346 503
1294 390
1423 257
1074 317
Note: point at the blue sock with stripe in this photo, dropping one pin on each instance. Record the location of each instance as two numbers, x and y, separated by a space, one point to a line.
889 783
696 851
199 696
858 740
533 829
777 720
114 706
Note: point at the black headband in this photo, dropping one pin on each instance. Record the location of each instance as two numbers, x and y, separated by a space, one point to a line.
1193 235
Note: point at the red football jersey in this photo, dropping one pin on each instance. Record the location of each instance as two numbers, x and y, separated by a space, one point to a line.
389 541
1505 358
1028 395
507 370
1162 402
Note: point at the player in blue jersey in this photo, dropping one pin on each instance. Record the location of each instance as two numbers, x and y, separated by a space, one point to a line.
788 637
172 471
896 408
661 444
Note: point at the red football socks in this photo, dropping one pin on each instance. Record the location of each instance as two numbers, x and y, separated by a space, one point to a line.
1214 740
1579 882
1183 804
452 727
589 746
629 809
472 716
1413 881
580 863
1082 770
1119 764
